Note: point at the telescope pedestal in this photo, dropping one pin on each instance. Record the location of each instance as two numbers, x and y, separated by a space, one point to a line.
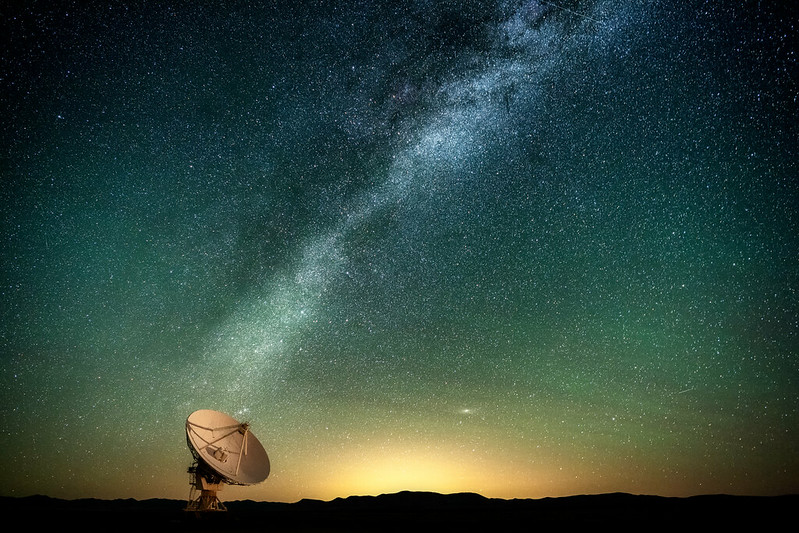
207 486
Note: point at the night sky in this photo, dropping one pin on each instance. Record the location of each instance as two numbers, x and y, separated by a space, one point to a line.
524 249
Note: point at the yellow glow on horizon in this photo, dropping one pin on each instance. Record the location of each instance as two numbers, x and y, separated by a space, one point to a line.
422 468
371 465
393 474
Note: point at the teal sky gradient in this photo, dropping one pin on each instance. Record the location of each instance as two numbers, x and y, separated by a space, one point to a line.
524 249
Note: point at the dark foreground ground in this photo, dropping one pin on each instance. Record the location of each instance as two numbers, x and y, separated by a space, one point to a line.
413 512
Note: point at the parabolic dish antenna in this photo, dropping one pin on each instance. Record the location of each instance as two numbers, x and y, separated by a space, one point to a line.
224 451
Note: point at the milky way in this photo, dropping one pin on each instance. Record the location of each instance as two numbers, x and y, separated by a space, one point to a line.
524 249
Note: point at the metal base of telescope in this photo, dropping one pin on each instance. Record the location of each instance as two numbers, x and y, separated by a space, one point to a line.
202 495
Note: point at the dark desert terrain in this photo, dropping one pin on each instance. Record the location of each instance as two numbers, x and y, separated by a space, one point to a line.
409 511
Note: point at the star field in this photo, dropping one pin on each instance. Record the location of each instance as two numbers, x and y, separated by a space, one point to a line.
524 249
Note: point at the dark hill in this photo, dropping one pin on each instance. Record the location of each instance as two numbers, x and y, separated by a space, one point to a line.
409 511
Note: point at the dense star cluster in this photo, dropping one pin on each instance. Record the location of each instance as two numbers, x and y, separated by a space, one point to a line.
520 248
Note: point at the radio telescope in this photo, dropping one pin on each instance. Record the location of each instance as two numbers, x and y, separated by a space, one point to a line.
225 452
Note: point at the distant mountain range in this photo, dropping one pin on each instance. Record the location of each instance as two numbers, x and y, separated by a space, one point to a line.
409 511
